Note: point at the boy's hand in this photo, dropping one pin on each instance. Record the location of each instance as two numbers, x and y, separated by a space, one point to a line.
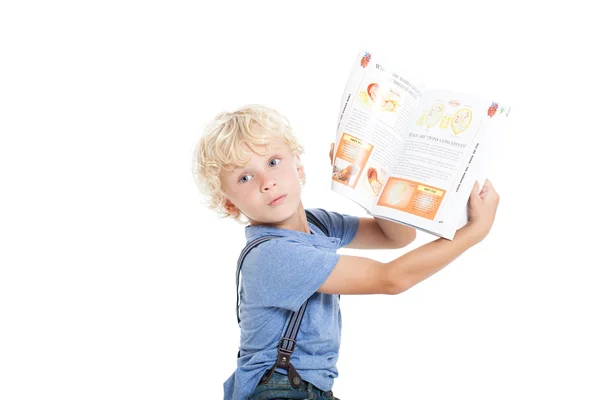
482 209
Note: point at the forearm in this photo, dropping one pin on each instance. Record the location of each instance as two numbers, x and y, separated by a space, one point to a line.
397 233
419 264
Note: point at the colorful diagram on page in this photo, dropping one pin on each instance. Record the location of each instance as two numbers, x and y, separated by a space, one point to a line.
372 179
412 197
461 120
434 115
379 99
350 160
442 117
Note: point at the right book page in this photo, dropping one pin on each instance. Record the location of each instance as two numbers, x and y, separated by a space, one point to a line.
448 146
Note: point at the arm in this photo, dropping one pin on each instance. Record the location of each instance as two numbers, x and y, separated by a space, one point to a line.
359 275
377 233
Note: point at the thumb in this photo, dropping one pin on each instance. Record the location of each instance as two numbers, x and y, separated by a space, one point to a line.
475 190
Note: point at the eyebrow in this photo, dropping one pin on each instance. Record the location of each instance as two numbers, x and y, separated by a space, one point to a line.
273 149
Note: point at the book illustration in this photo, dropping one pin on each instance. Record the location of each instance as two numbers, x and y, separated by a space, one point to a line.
350 160
435 114
441 117
412 197
364 61
492 110
344 174
445 122
461 120
375 97
397 194
373 179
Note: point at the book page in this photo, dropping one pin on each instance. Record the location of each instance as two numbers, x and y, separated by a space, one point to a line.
376 110
479 167
427 186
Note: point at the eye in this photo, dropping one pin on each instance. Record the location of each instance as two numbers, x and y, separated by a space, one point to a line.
245 178
274 162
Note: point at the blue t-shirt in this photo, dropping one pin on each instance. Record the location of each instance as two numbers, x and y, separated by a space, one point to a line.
277 278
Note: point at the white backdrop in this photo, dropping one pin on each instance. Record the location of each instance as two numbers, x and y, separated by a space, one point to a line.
116 283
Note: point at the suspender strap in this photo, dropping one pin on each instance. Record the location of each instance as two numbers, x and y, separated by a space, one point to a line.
287 345
288 342
312 219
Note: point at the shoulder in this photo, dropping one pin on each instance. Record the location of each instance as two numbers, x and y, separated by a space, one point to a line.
342 226
273 252
290 255
272 245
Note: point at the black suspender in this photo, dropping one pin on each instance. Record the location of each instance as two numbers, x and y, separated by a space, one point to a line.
313 220
287 344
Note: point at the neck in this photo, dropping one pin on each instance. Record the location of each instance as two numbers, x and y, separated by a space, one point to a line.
296 222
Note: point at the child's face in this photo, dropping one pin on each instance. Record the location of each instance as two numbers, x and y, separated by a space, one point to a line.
267 189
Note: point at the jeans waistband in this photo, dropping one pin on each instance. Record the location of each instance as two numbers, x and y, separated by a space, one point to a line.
309 387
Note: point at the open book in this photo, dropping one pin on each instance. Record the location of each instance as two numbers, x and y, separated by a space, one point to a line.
410 154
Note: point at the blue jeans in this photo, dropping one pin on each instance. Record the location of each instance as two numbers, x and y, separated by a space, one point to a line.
279 388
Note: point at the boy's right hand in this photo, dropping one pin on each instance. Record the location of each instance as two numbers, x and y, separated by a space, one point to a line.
482 209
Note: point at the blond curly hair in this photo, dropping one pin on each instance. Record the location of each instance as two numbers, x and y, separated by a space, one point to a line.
221 147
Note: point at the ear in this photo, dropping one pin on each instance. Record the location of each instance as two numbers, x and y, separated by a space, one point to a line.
299 167
231 208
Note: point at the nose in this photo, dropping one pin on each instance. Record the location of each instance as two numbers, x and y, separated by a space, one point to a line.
268 183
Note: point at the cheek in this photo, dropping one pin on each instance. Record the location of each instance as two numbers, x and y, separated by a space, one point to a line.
237 193
243 195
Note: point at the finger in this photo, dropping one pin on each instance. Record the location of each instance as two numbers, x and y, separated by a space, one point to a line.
487 190
475 190
484 192
488 185
475 187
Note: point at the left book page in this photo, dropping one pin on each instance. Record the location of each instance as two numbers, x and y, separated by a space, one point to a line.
376 110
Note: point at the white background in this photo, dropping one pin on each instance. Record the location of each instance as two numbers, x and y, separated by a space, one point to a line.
116 283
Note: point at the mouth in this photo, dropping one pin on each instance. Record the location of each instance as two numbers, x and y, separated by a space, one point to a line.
278 200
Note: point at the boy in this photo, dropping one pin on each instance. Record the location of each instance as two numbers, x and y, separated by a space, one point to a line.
248 165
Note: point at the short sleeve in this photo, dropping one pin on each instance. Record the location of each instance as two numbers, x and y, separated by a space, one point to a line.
341 226
284 272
